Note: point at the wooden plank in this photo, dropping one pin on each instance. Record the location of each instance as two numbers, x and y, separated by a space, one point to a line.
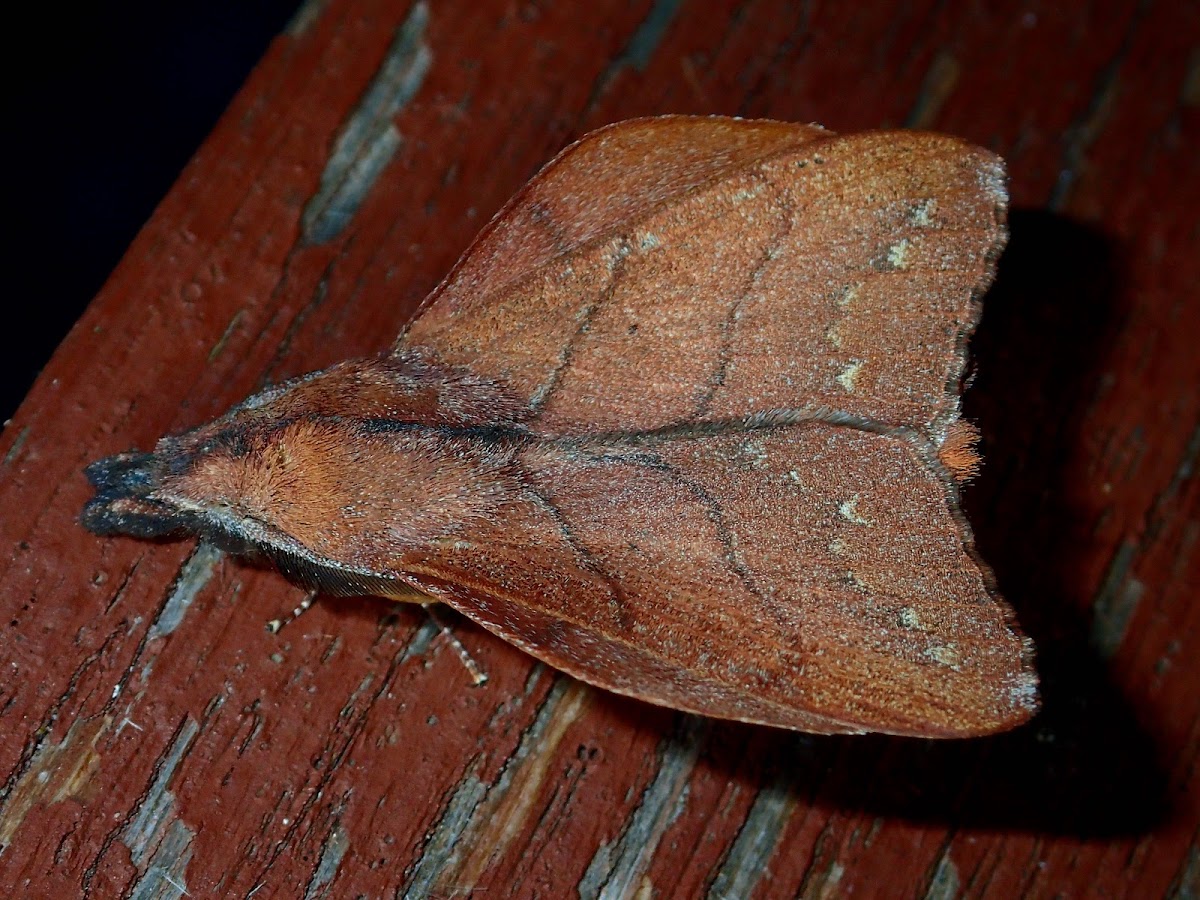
157 737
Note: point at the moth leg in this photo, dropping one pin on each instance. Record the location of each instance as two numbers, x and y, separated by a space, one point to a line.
407 594
276 624
478 676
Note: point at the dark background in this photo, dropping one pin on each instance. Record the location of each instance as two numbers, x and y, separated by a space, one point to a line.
109 104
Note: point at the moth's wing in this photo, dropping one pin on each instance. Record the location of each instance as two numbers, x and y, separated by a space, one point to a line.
612 176
810 577
840 272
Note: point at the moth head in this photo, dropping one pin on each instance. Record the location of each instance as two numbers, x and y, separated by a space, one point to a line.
235 481
337 471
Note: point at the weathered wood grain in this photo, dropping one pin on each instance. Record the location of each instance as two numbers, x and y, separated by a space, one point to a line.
155 737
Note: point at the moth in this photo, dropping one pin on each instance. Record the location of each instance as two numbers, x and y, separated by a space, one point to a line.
683 422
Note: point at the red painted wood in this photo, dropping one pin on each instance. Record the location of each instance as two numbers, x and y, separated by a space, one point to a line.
146 742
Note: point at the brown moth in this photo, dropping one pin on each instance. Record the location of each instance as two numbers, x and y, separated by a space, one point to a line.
683 423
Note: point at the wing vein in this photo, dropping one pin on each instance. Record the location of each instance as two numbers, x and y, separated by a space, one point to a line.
729 326
537 400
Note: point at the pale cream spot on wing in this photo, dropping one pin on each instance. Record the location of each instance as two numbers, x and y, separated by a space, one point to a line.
848 510
897 254
923 212
849 295
846 379
756 453
748 193
833 336
857 583
945 655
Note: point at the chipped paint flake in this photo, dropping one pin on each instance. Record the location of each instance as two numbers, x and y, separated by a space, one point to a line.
945 884
369 138
192 578
159 843
335 847
1116 601
749 858
619 869
481 820
56 772
512 801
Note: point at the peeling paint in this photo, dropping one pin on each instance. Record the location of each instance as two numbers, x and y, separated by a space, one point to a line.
618 869
649 34
219 346
1087 128
165 875
747 861
335 847
1115 602
369 138
157 808
935 90
15 450
1186 885
193 576
159 842
443 839
480 820
305 17
945 884
510 803
640 48
57 772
